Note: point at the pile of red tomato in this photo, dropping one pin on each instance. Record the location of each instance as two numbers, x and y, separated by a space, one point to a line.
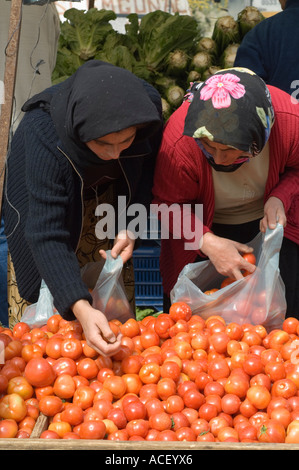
176 377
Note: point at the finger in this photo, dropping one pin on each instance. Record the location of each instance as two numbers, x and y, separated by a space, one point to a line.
237 274
242 248
103 254
263 225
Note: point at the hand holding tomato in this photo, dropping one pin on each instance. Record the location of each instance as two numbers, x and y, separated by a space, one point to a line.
274 214
96 328
226 255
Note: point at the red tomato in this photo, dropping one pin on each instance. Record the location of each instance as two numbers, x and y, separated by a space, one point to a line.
29 351
138 427
134 410
8 428
50 405
163 324
259 396
21 386
84 396
160 421
116 385
180 311
249 257
60 428
130 328
65 365
39 372
271 431
48 434
64 386
13 406
285 388
72 414
88 368
92 430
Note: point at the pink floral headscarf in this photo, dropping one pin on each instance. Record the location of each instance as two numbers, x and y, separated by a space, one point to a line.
232 107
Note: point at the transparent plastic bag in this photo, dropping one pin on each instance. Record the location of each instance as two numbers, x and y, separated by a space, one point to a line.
37 315
107 288
256 299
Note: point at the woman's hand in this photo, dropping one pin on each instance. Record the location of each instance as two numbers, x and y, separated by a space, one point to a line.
226 255
96 328
274 214
123 245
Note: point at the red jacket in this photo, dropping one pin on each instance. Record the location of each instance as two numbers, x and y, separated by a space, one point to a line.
183 175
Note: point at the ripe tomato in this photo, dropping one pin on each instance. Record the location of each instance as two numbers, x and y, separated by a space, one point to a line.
150 373
50 405
65 365
180 311
39 372
8 428
160 421
292 436
60 428
13 406
134 409
271 431
21 386
88 368
130 328
249 257
259 396
138 427
29 351
285 388
84 396
163 324
116 385
64 386
72 414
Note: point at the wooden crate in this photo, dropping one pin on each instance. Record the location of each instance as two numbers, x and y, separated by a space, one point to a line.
34 443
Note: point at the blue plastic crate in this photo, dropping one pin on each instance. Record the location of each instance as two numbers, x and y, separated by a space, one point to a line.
148 283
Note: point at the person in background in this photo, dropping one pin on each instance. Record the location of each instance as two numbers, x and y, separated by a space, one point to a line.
38 43
233 147
270 49
81 143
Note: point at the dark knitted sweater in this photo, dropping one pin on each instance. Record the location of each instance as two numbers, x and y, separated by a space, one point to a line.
43 207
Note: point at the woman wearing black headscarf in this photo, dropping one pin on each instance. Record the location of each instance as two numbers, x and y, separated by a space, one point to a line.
232 147
77 140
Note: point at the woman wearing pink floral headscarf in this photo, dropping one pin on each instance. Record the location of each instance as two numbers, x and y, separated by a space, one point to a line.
232 146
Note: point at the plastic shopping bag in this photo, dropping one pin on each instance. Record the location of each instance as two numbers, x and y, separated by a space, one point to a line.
258 298
107 288
37 315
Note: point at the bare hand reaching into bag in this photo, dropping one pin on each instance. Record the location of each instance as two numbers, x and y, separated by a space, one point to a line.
123 245
226 255
96 328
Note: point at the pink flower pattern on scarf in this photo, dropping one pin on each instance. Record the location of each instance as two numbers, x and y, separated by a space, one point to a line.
221 88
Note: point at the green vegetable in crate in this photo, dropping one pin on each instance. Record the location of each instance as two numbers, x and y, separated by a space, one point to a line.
193 76
207 44
163 83
226 31
84 32
248 18
201 61
175 96
177 63
210 71
229 55
166 109
161 33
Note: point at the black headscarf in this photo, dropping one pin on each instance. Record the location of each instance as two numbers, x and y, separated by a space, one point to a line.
98 99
